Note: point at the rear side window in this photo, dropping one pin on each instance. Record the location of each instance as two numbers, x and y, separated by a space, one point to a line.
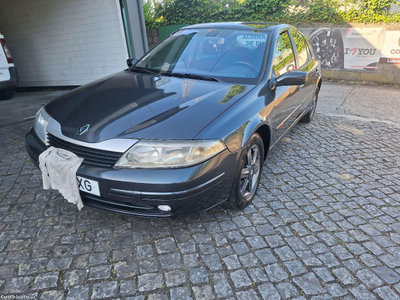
302 51
283 56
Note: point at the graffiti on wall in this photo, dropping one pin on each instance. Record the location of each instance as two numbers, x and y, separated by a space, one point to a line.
354 49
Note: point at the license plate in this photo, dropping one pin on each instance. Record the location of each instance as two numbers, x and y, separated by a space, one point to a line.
88 185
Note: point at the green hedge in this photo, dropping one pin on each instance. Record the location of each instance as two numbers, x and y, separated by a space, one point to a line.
174 12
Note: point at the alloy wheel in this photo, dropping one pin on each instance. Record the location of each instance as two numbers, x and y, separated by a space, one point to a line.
250 172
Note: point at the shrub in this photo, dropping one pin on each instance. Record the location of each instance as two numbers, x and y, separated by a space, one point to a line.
174 12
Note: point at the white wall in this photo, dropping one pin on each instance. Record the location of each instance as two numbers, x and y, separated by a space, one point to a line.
63 42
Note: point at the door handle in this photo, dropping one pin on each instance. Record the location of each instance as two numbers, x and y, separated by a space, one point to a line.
301 87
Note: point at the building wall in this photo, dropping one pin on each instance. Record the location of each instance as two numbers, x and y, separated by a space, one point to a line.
61 43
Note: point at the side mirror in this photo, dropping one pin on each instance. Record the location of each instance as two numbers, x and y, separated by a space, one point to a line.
292 78
131 61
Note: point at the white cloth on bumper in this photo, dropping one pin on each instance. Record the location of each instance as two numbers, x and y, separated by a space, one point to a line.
59 168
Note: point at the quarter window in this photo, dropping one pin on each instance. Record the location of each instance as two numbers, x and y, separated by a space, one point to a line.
283 56
301 48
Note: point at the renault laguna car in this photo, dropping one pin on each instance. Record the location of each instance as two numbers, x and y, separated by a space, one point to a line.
189 125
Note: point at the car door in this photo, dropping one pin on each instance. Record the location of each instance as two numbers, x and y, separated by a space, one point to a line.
306 63
286 98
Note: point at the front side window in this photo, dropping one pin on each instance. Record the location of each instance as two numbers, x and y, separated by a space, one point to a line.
301 48
220 53
284 55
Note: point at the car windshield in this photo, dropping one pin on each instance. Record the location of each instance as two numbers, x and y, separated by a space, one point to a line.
215 54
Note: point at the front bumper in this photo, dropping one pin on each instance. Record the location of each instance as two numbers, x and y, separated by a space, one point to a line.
12 82
139 192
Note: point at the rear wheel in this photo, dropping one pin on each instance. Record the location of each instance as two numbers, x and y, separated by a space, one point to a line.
248 174
6 94
309 116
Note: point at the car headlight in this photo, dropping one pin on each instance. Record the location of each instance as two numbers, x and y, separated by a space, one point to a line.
40 124
169 154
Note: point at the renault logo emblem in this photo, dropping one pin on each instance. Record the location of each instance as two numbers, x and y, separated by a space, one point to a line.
83 129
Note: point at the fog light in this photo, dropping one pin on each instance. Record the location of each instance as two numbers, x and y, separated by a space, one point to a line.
164 208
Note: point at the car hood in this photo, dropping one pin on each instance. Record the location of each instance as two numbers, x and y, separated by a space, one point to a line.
138 105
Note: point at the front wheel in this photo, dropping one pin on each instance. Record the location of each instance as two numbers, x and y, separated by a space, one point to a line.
248 174
309 116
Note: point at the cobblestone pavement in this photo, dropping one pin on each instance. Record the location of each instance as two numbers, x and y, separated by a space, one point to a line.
325 224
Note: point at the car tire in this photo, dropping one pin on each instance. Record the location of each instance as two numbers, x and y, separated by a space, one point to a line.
307 118
242 193
6 94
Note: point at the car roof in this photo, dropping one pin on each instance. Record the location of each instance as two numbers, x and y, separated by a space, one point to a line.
239 25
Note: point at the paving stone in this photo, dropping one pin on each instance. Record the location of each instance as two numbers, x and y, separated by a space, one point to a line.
370 260
269 292
124 269
98 258
104 290
369 278
309 284
78 292
258 275
61 263
249 260
52 295
285 253
266 256
74 277
387 274
309 259
100 272
175 278
247 295
32 267
157 296
203 292
256 242
198 275
324 274
239 248
150 282
166 245
18 285
46 280
287 290
127 287
389 260
336 290
329 260
170 262
240 279
276 273
361 292
221 285
295 267
386 292
213 262
344 276
187 247
149 265
180 293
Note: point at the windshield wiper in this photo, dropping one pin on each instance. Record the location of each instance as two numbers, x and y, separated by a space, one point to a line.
190 75
144 70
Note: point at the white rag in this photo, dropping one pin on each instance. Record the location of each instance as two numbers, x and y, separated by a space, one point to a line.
59 168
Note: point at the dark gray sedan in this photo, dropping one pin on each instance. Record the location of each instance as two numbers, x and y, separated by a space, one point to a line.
189 125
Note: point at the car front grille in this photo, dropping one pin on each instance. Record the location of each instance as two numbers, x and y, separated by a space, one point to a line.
90 156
